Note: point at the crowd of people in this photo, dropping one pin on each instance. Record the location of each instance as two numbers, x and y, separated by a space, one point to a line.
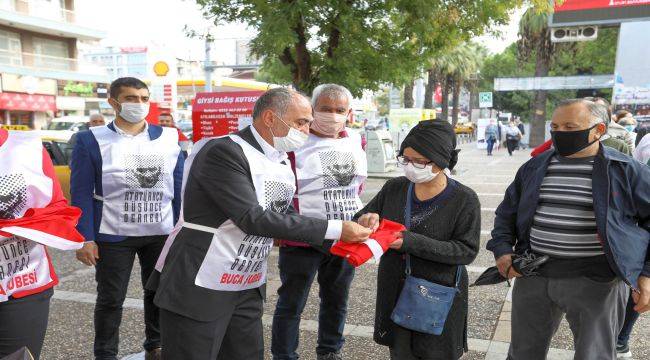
203 225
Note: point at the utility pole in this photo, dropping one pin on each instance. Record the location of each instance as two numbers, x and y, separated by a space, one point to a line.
208 63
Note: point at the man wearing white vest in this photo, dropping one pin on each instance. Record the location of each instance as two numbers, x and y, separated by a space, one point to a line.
330 170
237 195
126 177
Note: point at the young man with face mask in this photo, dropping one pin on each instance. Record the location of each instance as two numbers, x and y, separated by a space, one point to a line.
587 207
237 197
126 177
330 169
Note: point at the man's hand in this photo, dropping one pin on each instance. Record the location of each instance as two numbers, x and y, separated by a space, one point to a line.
397 244
354 233
504 263
88 254
642 299
369 220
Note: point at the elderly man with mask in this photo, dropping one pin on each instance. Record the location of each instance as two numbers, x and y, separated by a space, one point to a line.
330 169
237 197
587 207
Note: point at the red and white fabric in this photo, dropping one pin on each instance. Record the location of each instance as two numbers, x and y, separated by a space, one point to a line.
358 253
33 214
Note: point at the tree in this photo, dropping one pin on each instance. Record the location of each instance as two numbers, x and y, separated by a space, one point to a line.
535 42
359 44
408 95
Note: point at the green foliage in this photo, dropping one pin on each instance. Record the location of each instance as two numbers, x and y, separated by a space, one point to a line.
359 44
590 57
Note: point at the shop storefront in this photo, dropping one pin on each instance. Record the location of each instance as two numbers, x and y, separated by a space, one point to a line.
27 100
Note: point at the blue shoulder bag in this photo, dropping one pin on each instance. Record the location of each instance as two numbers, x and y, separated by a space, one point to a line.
423 306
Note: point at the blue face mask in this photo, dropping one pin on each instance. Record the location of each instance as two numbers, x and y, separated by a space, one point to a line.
630 128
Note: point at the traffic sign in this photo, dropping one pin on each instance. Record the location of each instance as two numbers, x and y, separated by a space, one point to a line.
485 99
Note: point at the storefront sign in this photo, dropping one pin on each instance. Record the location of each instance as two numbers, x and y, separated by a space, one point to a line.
28 84
216 114
81 89
26 102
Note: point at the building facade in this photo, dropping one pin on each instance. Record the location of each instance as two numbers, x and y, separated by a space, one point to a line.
41 74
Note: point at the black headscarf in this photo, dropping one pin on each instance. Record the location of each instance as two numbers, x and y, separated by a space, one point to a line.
435 140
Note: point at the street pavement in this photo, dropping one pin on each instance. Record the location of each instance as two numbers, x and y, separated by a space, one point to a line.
70 331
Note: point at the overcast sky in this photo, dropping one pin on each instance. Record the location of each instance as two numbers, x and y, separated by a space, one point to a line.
161 23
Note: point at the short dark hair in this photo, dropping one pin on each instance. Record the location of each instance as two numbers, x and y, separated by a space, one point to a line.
166 114
131 82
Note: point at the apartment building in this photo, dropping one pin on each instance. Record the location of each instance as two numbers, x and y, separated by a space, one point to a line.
41 73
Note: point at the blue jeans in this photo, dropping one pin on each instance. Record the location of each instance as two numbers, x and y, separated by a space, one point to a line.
298 267
490 145
631 317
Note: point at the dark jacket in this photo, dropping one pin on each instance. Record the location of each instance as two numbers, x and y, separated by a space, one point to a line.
446 238
219 187
621 194
86 180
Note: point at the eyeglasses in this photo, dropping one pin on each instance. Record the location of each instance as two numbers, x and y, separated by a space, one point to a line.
418 164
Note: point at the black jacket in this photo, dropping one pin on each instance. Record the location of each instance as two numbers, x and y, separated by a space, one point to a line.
448 237
219 187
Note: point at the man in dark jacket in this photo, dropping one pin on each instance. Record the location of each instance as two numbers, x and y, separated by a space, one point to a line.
587 207
237 196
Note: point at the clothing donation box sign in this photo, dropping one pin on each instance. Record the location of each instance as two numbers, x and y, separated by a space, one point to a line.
222 113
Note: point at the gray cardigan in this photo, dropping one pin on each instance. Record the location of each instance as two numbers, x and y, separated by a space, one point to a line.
448 237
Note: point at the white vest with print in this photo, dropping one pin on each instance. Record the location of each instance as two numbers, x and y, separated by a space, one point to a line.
137 182
24 264
237 261
329 174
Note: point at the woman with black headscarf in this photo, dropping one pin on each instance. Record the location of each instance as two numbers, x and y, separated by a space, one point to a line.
442 236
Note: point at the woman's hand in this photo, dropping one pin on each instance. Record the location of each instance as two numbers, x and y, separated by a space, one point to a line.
369 220
397 244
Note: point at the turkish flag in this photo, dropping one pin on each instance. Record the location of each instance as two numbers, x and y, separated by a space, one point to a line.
437 97
358 253
51 226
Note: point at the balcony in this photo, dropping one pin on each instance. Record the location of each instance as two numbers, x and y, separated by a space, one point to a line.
43 17
51 67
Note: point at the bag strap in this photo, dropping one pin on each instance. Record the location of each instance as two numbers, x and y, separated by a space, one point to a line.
407 223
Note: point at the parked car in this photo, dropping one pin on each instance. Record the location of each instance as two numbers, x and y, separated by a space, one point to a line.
60 150
70 123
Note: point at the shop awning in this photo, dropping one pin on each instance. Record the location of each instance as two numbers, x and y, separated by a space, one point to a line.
27 102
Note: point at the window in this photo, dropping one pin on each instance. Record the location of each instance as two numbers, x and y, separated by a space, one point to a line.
10 48
52 54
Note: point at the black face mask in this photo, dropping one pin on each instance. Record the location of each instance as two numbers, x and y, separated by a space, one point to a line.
568 143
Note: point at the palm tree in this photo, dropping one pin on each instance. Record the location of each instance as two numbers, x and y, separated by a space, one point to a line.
453 67
535 42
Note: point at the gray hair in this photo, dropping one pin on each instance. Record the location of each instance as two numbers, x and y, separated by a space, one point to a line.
96 116
332 91
276 100
599 113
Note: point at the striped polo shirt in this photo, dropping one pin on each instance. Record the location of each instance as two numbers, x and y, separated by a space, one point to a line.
564 225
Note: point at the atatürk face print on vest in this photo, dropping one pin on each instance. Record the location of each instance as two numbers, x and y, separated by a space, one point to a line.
338 167
144 171
13 195
276 194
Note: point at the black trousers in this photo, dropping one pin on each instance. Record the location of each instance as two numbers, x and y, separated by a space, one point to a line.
113 271
512 145
23 323
235 335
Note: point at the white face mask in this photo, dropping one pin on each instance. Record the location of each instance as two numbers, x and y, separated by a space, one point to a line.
419 176
134 112
294 140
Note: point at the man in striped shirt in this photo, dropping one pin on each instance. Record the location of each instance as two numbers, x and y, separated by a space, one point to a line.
587 207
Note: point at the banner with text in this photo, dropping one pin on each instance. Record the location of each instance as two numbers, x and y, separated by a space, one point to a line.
222 113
